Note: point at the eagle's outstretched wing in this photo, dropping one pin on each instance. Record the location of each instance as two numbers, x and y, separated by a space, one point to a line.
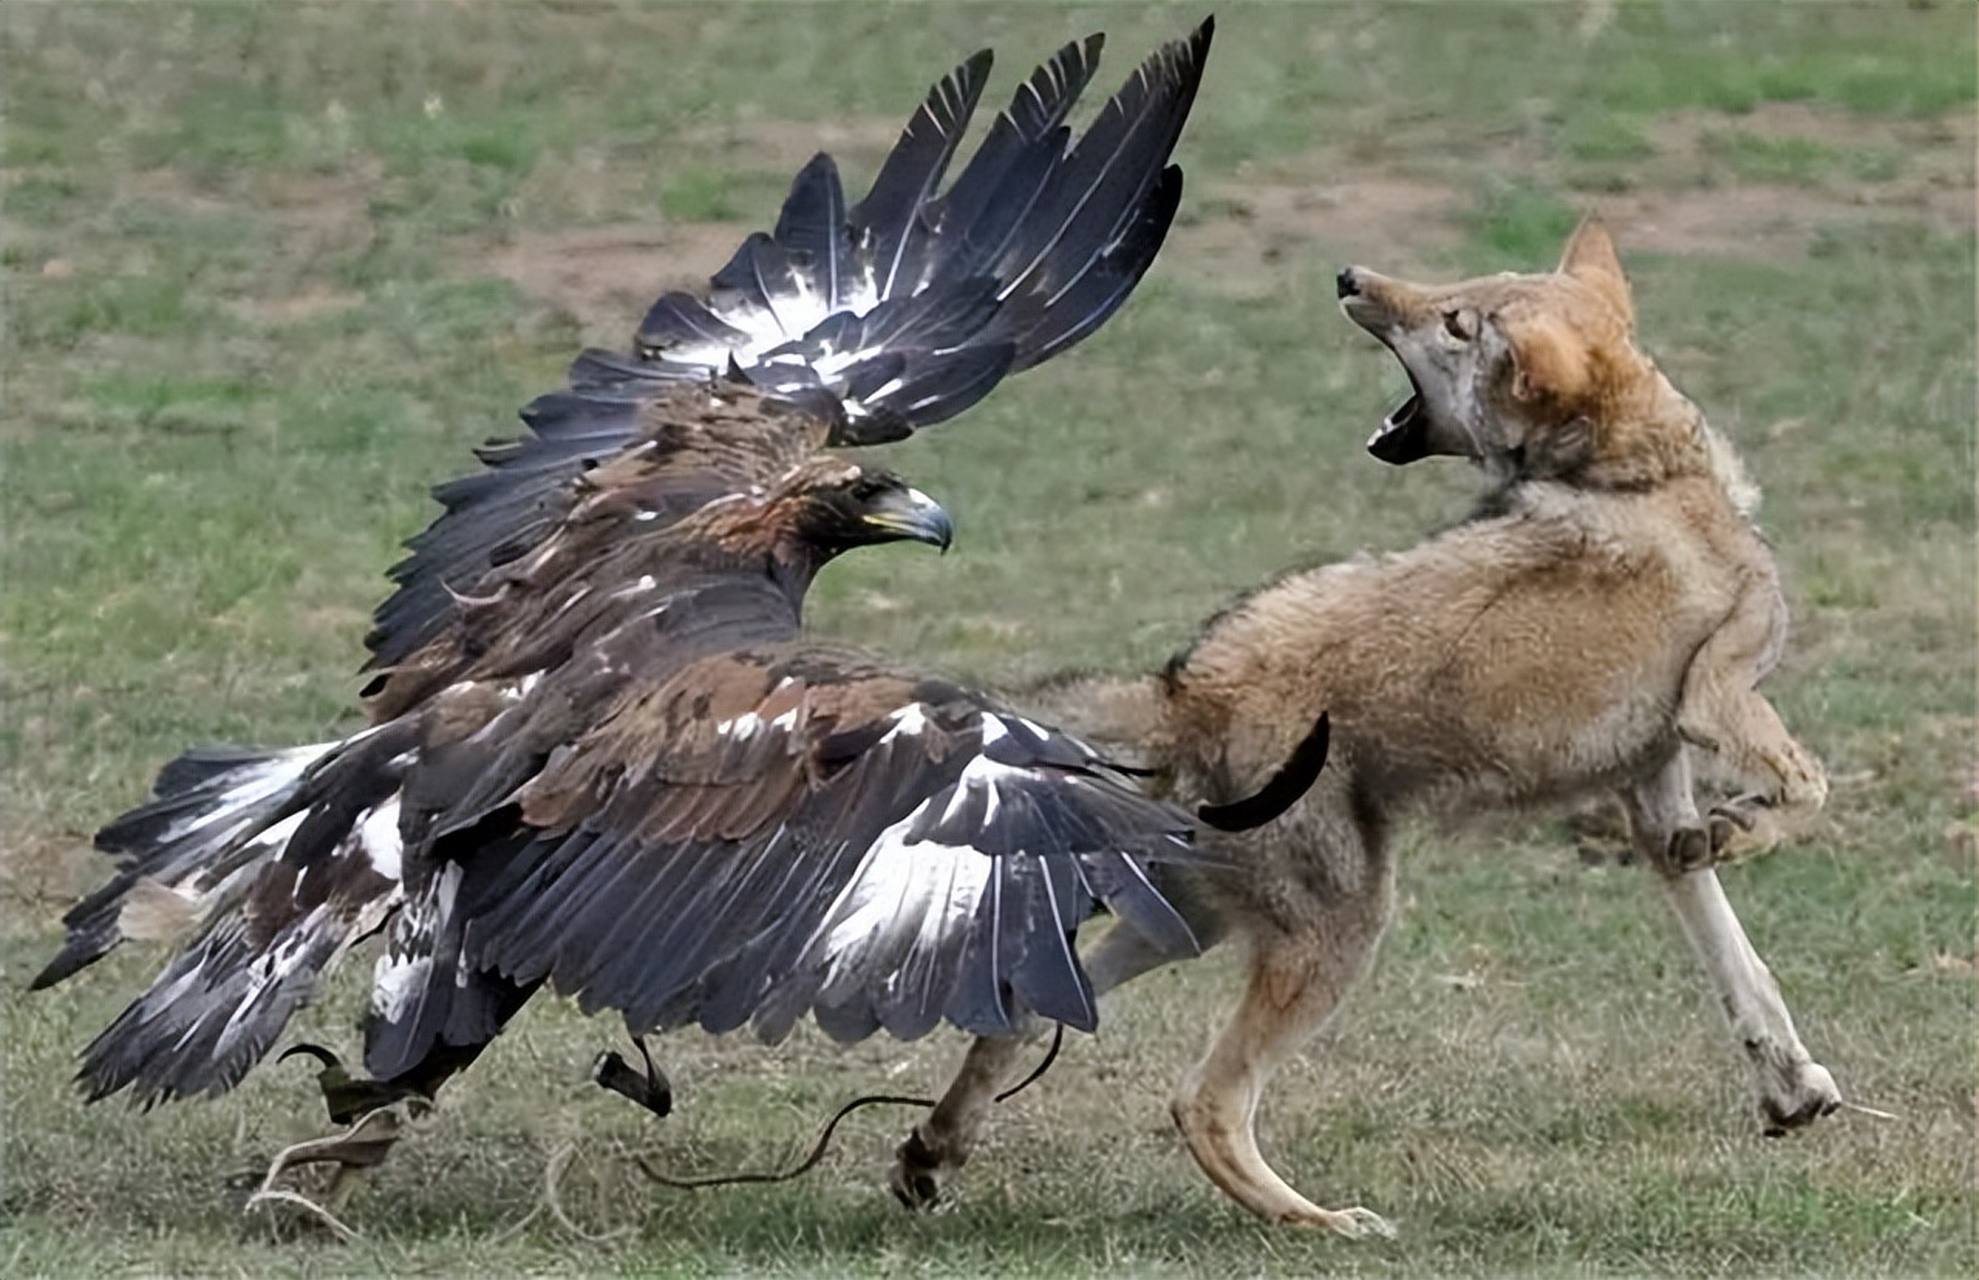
906 308
638 779
779 831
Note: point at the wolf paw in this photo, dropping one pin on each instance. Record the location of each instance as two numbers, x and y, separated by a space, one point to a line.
1353 1222
1743 826
916 1174
1810 1094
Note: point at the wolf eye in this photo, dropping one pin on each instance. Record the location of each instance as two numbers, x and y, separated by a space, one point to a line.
1460 325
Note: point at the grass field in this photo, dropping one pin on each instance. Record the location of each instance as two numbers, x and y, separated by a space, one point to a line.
271 270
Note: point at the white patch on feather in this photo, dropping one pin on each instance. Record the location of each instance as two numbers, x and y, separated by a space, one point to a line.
910 720
982 773
743 726
276 838
378 839
401 973
904 895
250 785
270 970
646 583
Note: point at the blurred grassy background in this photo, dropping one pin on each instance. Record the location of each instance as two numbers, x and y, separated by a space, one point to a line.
272 269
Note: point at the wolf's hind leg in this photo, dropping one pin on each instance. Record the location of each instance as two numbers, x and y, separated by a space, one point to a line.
1295 984
1663 818
942 1142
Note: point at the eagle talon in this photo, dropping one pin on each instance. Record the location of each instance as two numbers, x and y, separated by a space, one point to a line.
649 1088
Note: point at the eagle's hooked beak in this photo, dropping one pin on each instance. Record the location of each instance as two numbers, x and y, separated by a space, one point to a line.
909 513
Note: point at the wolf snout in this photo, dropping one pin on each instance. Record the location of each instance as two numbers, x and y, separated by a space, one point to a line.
1348 282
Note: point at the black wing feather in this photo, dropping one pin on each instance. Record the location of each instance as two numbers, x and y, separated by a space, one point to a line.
893 216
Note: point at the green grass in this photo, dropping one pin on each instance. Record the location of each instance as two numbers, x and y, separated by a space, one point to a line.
1807 161
251 316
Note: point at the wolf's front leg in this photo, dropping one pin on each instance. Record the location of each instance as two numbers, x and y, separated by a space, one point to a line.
1722 710
1793 1088
1669 835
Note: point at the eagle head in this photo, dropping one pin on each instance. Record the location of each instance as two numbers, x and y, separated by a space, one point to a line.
831 505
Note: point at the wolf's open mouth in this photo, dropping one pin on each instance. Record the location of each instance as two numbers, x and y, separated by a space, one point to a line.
1400 437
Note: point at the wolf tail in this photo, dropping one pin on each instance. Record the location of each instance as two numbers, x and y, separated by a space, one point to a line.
272 863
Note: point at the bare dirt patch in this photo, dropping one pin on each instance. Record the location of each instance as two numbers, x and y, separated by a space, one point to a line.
606 277
1250 233
324 212
1687 200
1681 134
1240 236
295 307
785 146
316 216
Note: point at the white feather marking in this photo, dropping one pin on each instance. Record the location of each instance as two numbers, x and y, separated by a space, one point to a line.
378 838
902 891
909 720
645 584
993 730
401 974
743 726
886 389
250 785
270 969
276 838
982 773
394 981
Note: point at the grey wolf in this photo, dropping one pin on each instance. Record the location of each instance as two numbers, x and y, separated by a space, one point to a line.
1609 605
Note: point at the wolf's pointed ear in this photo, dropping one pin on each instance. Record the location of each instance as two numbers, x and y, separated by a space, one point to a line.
1590 258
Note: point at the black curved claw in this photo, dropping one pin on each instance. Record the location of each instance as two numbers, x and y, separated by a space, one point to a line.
330 1061
649 1088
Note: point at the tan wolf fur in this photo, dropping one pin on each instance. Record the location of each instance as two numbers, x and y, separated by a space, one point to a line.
1609 604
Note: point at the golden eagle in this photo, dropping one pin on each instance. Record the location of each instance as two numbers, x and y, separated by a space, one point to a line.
603 752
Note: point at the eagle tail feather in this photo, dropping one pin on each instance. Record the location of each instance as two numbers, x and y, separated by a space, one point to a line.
277 861
207 820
